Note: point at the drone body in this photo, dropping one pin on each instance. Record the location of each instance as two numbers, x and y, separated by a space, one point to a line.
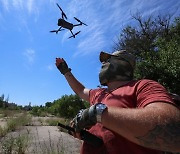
67 25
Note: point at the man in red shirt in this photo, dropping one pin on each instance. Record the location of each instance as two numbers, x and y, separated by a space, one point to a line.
131 116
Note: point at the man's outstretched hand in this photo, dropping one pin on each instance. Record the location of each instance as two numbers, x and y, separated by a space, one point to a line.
62 66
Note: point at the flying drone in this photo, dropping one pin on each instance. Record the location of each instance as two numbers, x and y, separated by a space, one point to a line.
67 25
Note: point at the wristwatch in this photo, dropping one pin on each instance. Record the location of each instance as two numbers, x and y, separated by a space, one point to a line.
99 110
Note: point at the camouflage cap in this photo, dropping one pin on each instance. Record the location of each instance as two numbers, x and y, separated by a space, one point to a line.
122 54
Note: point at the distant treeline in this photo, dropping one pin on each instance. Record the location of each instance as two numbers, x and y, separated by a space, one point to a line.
67 106
4 104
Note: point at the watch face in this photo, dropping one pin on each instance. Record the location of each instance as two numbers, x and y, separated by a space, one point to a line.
99 110
100 106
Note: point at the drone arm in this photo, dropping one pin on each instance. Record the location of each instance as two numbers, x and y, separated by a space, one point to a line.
72 33
59 28
80 22
63 14
77 24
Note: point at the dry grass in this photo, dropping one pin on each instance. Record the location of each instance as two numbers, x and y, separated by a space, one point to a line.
21 136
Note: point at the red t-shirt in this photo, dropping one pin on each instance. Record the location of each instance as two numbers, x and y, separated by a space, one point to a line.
135 94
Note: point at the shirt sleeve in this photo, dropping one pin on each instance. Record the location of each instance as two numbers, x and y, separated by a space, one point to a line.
93 94
150 91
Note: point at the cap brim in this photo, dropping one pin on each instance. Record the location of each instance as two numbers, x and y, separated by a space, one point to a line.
104 56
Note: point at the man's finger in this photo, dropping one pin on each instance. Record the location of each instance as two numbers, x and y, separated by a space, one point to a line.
59 60
76 135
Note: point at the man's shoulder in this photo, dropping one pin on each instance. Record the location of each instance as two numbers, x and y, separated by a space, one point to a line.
95 93
145 84
145 81
142 82
98 90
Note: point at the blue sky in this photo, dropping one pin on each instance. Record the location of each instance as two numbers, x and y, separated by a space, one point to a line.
28 50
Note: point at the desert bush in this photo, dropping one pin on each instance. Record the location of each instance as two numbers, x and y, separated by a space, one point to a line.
2 132
52 122
14 123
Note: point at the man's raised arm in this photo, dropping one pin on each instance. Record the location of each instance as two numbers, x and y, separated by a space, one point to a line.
76 86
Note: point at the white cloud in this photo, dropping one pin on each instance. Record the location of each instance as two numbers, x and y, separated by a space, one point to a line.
93 43
107 19
30 5
5 4
102 21
29 55
92 36
50 67
18 4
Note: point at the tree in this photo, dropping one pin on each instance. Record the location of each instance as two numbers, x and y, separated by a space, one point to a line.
168 63
140 40
1 100
155 42
48 104
68 106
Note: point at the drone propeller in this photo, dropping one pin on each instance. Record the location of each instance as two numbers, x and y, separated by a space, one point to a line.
52 31
63 14
74 35
80 21
77 33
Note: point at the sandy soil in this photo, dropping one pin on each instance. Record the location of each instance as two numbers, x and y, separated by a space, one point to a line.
2 122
